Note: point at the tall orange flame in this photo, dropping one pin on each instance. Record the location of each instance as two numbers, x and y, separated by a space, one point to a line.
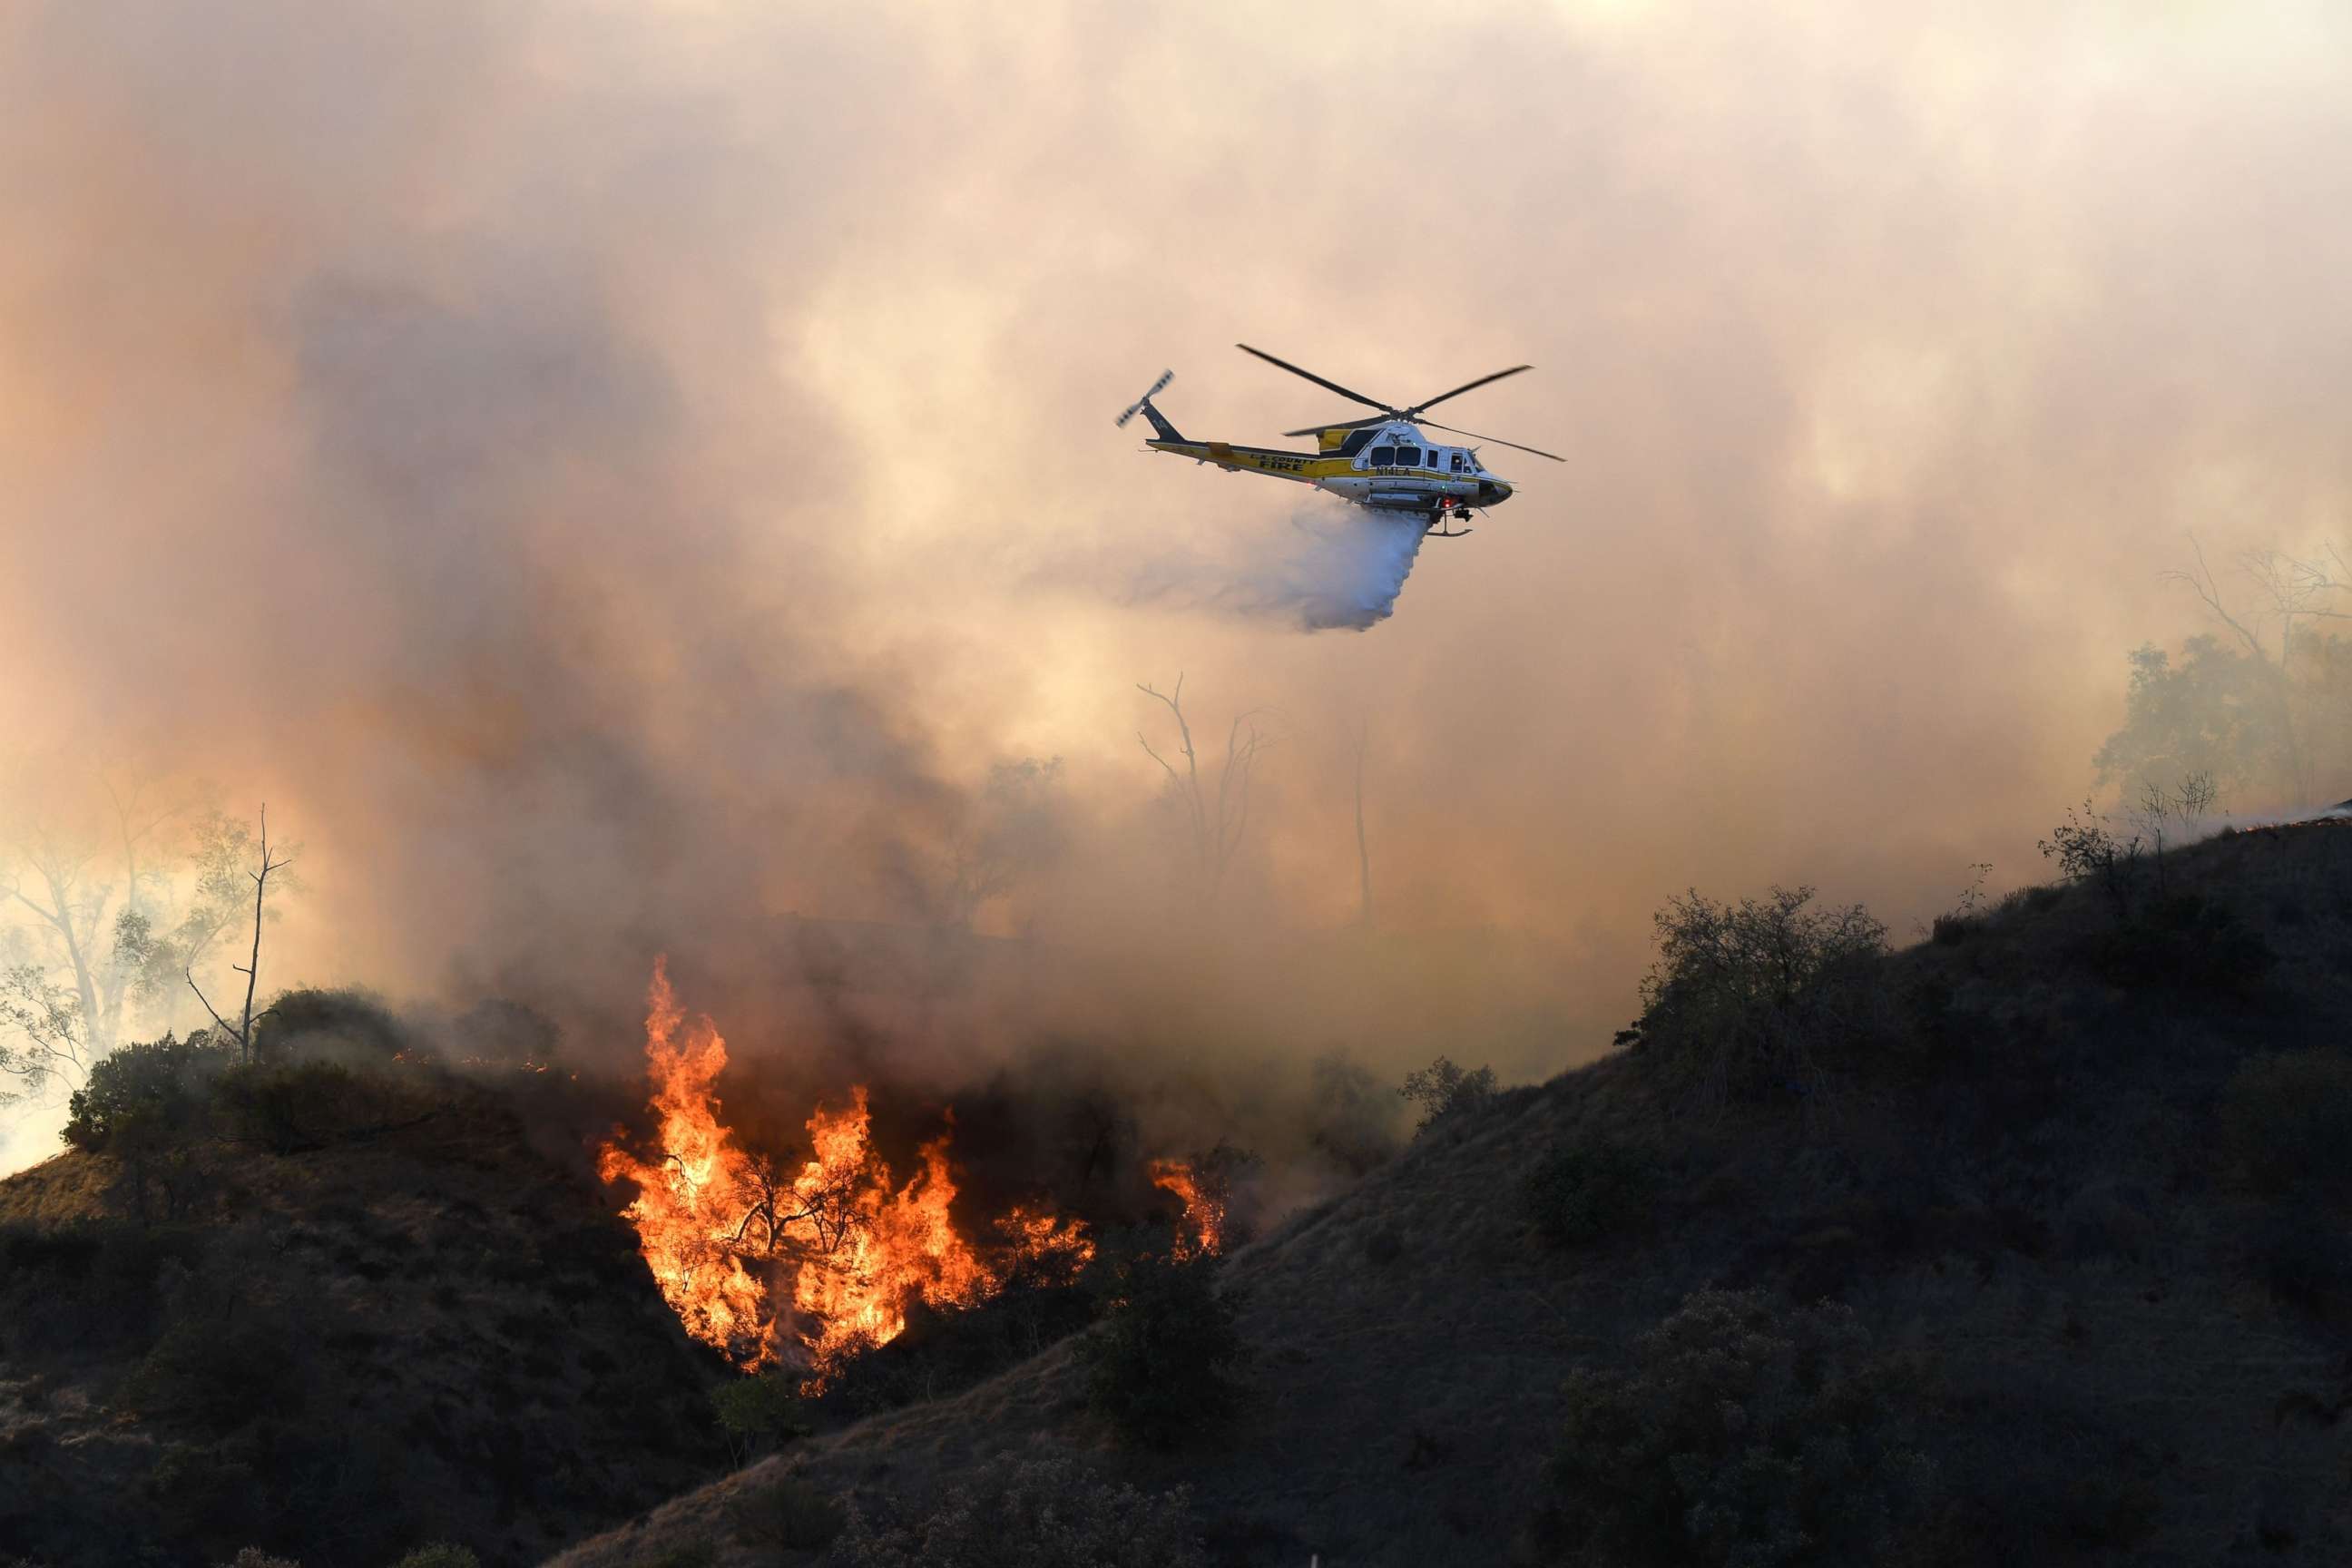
687 1210
862 1251
1205 1210
885 1249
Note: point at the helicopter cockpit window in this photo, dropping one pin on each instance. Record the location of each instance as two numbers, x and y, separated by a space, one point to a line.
1383 456
1408 456
1460 463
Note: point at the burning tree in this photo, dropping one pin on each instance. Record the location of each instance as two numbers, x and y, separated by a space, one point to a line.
722 1228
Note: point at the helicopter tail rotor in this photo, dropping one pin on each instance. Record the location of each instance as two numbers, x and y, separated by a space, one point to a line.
1142 405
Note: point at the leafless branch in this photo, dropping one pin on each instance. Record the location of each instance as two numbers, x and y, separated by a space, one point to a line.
2206 588
209 1007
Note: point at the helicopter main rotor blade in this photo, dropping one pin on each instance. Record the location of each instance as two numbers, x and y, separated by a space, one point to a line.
1310 376
1498 441
1465 386
1341 425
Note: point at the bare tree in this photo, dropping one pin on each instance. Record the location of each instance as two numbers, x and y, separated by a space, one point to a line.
113 879
251 968
2286 590
1215 824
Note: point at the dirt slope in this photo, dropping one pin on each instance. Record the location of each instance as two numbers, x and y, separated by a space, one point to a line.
2135 1354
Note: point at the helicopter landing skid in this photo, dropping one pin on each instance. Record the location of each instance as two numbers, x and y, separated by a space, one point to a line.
1439 527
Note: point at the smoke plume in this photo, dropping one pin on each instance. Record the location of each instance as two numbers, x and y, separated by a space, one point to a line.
609 477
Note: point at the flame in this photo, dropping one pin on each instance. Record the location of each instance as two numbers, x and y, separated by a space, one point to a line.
1205 1210
1062 1244
716 1226
883 1250
686 1211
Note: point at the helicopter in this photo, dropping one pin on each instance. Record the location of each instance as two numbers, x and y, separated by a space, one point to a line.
1383 462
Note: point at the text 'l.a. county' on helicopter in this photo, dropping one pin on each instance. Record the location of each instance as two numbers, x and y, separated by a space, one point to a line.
1383 462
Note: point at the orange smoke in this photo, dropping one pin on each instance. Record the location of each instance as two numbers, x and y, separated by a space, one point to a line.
1205 1210
717 1226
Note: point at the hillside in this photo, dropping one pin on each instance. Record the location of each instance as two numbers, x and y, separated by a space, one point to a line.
408 1327
2073 1163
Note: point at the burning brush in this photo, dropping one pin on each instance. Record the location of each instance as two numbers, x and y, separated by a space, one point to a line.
722 1229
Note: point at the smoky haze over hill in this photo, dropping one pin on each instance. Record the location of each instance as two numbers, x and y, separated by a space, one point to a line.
613 476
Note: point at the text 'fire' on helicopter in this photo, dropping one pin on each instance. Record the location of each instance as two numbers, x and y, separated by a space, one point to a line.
1383 462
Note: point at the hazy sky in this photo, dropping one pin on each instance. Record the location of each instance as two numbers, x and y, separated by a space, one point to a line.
597 468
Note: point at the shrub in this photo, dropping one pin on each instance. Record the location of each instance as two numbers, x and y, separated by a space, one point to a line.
2286 1118
788 1513
2182 943
289 1107
440 1554
2088 851
220 1371
144 1094
1162 1363
758 1412
310 1023
1741 1434
1761 996
254 1557
1443 1089
1037 1513
1584 1192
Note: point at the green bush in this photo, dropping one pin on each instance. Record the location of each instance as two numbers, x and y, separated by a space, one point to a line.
440 1554
146 1094
311 1023
1038 1513
1161 1363
1584 1192
1442 1091
1762 997
1741 1434
759 1412
254 1557
2287 1119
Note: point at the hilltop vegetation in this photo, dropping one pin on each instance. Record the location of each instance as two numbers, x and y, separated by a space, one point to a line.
329 1303
2028 1243
2025 1243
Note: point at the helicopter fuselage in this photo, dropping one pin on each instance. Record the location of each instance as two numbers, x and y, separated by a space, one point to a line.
1392 467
